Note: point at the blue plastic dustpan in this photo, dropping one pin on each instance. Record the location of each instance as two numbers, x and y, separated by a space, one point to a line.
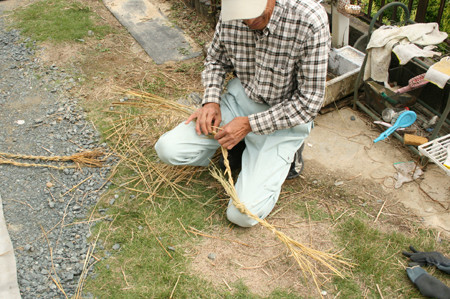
405 119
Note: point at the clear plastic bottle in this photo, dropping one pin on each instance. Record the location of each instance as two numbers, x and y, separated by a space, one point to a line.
390 115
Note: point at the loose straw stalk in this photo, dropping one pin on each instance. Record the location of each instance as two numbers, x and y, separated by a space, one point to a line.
300 252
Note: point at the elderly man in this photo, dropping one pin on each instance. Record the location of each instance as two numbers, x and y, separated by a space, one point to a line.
278 51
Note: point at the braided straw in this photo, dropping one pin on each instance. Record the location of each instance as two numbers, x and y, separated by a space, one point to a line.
300 252
87 158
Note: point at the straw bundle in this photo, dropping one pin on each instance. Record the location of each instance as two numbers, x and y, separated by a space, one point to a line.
299 252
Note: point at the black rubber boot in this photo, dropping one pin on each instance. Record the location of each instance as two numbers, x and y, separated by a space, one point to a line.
297 165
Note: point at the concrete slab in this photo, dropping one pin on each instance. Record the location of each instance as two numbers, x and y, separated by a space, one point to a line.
162 41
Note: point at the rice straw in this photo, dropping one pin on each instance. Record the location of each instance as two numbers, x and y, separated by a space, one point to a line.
299 252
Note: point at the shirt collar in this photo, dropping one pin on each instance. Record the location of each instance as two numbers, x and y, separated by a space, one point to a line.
275 18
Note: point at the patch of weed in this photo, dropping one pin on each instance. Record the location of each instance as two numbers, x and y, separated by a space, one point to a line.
190 68
155 85
58 20
190 21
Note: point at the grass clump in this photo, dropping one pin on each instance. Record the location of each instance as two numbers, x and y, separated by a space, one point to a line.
58 20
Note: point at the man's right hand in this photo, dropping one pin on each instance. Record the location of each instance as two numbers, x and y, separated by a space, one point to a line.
208 117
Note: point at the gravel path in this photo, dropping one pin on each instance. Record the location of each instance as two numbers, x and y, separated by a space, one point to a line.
38 117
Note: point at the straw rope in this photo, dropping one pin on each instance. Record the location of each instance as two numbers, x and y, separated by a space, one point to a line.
299 252
14 163
87 158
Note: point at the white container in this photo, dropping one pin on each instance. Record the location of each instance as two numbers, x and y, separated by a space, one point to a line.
343 63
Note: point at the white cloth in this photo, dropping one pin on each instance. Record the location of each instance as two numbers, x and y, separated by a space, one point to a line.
439 73
265 161
385 38
405 52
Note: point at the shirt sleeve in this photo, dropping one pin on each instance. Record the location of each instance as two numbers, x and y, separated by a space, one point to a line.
308 98
217 65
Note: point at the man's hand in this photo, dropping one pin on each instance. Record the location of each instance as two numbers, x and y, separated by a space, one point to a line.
208 116
233 132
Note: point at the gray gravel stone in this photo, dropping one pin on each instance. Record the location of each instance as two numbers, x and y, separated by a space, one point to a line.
54 124
212 256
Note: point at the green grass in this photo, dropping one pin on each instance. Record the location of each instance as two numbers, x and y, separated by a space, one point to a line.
58 21
379 259
149 270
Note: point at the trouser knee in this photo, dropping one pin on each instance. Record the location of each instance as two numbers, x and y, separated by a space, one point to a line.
164 149
236 217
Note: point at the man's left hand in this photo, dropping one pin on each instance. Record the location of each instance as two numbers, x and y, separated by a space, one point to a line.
233 132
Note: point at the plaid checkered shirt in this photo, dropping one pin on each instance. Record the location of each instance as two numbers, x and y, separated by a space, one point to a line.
283 66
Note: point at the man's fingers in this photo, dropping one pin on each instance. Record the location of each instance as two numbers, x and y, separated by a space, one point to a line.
225 140
205 117
229 144
197 127
191 117
219 134
204 126
217 121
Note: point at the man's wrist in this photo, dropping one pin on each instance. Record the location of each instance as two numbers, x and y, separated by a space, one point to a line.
209 103
246 123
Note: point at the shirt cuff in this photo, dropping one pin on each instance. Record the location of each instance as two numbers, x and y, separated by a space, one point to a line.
260 124
212 95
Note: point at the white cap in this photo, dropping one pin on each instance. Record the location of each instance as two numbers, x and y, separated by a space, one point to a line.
242 9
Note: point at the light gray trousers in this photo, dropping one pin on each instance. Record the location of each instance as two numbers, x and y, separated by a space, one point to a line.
265 161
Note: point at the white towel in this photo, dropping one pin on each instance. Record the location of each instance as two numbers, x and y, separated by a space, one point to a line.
385 38
439 73
405 52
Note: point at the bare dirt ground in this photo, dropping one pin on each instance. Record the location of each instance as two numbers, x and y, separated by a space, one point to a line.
349 149
339 151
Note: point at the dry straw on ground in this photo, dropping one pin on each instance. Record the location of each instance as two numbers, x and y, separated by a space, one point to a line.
134 131
130 129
